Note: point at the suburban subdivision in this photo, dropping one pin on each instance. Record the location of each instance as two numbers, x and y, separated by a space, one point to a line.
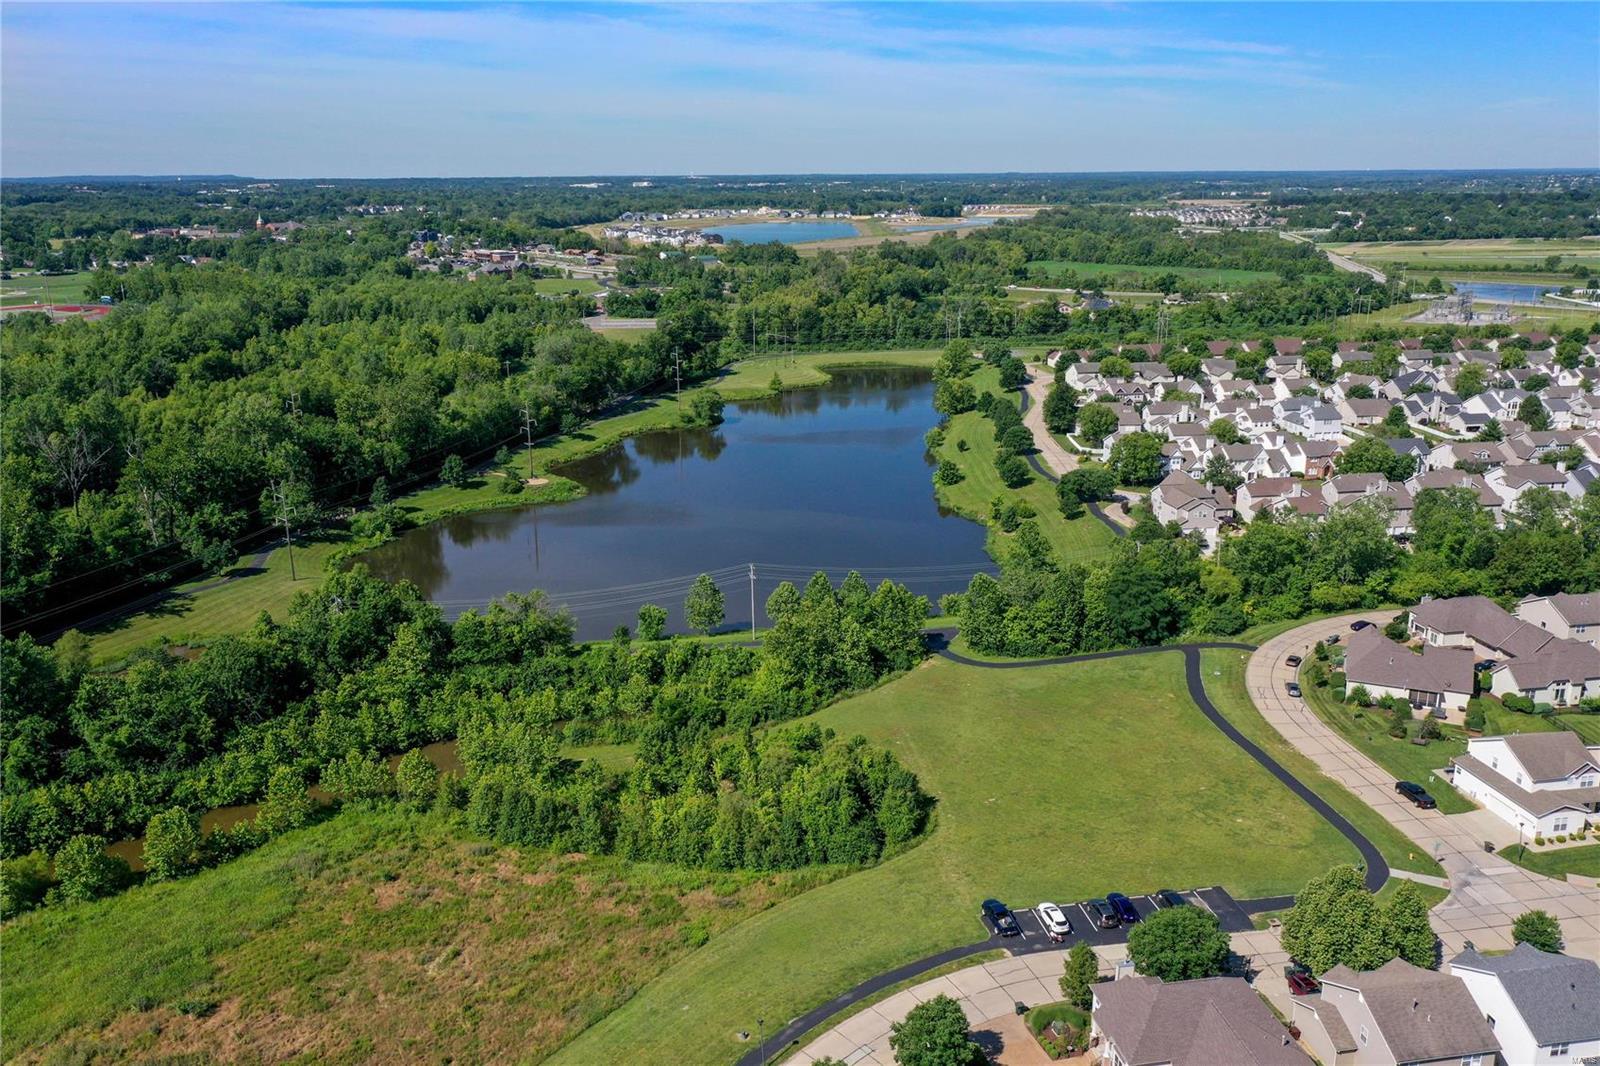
750 585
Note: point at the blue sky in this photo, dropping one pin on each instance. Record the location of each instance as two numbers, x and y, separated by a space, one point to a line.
345 90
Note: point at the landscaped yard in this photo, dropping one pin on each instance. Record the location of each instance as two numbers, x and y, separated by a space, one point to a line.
1102 273
373 937
1481 254
1367 730
1586 726
1078 540
1036 772
1583 860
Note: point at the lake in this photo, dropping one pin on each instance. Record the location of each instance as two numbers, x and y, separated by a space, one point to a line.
830 478
1504 292
784 232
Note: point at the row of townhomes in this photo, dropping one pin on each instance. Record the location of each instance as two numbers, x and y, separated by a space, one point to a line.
1523 1008
1538 783
1294 427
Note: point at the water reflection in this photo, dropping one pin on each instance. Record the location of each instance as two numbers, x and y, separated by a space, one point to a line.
833 477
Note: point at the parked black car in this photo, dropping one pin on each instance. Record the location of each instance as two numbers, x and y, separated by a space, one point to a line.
1358 625
1000 918
1170 898
1333 639
1416 794
1105 915
1123 906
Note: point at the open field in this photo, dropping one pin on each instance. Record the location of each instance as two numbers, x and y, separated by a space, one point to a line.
1472 254
1219 277
1543 317
1367 730
1062 748
1582 859
562 286
1078 540
204 609
42 289
1225 684
374 936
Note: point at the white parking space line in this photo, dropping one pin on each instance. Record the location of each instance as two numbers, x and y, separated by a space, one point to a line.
1087 916
1201 900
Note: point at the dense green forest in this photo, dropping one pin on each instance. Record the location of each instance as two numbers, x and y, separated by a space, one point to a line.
360 669
1524 209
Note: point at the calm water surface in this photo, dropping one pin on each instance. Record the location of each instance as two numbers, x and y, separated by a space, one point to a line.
831 478
784 232
1505 292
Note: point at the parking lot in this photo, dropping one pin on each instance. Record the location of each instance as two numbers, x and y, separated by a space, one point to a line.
1031 935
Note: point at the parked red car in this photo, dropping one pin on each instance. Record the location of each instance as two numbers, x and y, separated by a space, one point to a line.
1302 983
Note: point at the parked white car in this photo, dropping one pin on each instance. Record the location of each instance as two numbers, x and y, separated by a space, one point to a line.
1055 922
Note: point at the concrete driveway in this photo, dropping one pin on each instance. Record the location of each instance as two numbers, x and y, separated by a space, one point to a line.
1486 892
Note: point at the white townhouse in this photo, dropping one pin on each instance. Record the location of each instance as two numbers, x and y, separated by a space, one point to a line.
1543 1007
1565 614
1398 1013
1560 673
1512 481
1538 783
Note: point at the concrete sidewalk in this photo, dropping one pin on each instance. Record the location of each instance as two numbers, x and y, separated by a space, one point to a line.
1487 892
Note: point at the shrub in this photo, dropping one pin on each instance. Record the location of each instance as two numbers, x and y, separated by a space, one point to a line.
962 445
1538 929
1399 627
1476 719
454 471
1013 471
1430 729
1538 839
1360 696
933 439
1517 702
509 486
84 871
948 473
171 844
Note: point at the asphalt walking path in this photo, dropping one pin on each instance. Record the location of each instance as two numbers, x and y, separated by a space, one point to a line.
1234 914
1046 445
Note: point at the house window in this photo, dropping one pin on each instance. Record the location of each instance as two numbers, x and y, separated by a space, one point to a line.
1559 826
1586 782
1363 1036
1472 1060
1559 1050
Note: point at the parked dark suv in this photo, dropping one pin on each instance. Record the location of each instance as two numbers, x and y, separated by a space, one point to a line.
1105 915
1416 794
1123 906
1000 917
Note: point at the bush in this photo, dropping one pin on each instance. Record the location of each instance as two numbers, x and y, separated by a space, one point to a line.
1538 929
454 471
1013 471
1517 702
1476 719
509 485
962 445
1399 627
933 439
1360 696
84 871
948 473
171 844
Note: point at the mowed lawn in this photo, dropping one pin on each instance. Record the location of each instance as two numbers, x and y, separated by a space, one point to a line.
42 289
1586 726
1482 254
565 286
1055 268
1077 540
376 936
753 376
1059 782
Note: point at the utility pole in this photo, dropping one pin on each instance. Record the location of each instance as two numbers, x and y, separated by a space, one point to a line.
281 496
677 372
752 601
527 432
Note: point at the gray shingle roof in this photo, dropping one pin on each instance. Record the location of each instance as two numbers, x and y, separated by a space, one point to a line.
1423 1015
1484 621
1549 756
1193 1023
1557 996
1374 659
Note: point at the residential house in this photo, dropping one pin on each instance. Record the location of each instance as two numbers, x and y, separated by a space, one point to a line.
1145 1021
1565 615
1439 679
1478 456
1543 1007
1457 479
1267 494
1363 412
1560 673
1477 623
1398 1013
1539 783
1196 507
1514 480
1311 458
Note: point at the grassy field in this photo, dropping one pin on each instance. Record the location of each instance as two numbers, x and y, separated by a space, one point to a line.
1368 733
1497 721
1225 684
1583 860
1220 277
372 937
563 286
1472 254
1352 327
1077 540
204 609
42 289
1061 748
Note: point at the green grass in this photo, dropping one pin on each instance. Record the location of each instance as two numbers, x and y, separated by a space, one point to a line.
1583 860
753 377
1479 253
375 936
1054 268
1405 760
43 289
563 286
1078 540
1224 671
1586 726
1497 721
1025 765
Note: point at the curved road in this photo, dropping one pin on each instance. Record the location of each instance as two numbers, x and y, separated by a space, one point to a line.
1377 870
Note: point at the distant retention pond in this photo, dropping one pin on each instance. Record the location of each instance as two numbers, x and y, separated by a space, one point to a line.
785 232
1505 292
832 478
